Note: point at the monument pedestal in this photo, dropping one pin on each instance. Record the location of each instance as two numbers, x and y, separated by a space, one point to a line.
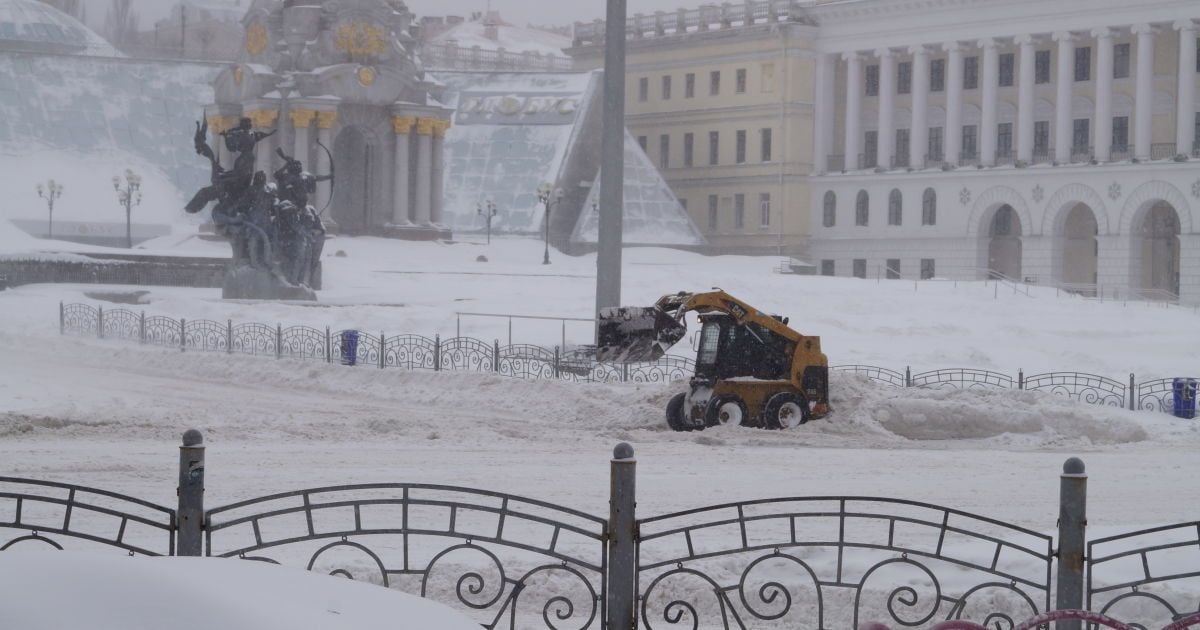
244 282
414 232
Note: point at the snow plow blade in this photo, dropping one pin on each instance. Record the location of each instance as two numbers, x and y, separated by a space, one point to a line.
634 334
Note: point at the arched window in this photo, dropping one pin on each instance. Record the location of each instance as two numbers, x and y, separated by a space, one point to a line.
830 209
862 213
895 207
929 207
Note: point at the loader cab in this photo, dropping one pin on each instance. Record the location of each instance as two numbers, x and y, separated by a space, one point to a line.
728 350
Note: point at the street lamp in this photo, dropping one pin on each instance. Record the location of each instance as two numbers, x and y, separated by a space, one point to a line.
129 196
548 195
50 192
491 212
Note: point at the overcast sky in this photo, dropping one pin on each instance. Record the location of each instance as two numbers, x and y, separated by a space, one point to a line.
516 11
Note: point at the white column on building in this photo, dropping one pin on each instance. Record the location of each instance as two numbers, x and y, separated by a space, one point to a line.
821 116
424 170
1185 116
918 137
1102 140
402 126
987 122
954 85
437 181
1025 99
1062 102
1143 112
887 107
826 100
854 93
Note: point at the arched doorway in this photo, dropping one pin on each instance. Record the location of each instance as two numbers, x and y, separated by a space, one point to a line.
1078 250
1156 250
355 157
1004 243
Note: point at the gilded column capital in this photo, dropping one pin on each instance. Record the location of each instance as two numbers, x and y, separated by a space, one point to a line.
403 124
326 119
440 127
263 118
425 126
218 123
302 118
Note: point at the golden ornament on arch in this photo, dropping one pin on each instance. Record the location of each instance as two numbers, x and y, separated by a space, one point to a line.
256 38
366 76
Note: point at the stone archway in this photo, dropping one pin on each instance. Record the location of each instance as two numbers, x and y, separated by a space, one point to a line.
1154 254
356 156
1076 250
1004 249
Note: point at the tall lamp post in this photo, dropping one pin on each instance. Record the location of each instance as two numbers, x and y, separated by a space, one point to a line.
50 192
548 195
490 212
129 196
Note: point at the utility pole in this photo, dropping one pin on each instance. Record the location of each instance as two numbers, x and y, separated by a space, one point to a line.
612 160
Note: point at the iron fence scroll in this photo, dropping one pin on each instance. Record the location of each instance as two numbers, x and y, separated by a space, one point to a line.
1143 576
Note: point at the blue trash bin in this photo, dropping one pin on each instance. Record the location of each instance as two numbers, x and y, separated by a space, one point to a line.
1184 390
349 347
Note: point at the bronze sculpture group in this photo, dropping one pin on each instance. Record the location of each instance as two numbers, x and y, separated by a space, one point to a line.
270 225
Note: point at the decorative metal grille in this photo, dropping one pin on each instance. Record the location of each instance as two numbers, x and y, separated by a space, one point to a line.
1088 388
206 335
876 374
121 324
79 319
963 378
465 353
367 351
257 339
410 351
1157 395
163 331
1148 576
305 342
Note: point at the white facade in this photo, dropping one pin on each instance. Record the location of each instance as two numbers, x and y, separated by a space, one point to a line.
1059 138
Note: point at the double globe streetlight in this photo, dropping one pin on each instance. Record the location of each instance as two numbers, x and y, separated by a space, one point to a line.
547 196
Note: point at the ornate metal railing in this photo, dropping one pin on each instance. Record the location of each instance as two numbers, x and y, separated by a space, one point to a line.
876 374
505 560
54 514
1143 576
1088 388
450 56
778 562
962 378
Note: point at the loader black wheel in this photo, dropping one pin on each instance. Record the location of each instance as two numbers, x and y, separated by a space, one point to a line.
786 410
675 418
726 410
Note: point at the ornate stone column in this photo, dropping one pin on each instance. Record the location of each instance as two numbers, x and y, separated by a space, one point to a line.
887 107
438 154
987 122
302 119
325 122
954 86
403 126
424 210
1143 112
854 92
822 122
1185 110
918 140
1025 99
1102 140
264 121
1062 100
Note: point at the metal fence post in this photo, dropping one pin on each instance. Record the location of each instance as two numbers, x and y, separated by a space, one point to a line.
191 495
328 347
1072 522
496 355
142 327
182 334
100 322
556 351
622 540
1132 391
907 376
1021 378
62 319
278 341
382 347
437 353
229 336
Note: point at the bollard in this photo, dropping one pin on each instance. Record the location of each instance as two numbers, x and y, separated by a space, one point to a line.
622 539
191 495
1072 522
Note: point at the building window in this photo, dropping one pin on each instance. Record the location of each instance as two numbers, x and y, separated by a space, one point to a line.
712 213
643 89
713 147
739 211
893 269
827 268
937 75
830 209
714 83
664 151
688 142
1083 63
873 80
904 77
1120 134
860 268
934 150
666 87
1004 140
764 210
740 80
1121 61
689 85
927 269
1041 138
768 77
765 144
929 207
870 149
1007 63
900 159
1079 138
970 142
895 207
1041 67
642 143
740 152
970 73
862 212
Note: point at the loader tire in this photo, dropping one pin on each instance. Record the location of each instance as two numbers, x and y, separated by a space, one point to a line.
786 410
727 409
675 418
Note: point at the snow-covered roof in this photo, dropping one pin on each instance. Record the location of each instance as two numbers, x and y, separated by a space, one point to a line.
513 39
30 25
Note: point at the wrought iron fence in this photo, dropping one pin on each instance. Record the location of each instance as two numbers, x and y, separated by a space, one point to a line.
1143 576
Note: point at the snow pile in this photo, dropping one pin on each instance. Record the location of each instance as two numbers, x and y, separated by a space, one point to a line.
115 592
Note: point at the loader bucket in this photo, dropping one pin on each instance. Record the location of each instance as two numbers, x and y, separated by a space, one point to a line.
634 334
